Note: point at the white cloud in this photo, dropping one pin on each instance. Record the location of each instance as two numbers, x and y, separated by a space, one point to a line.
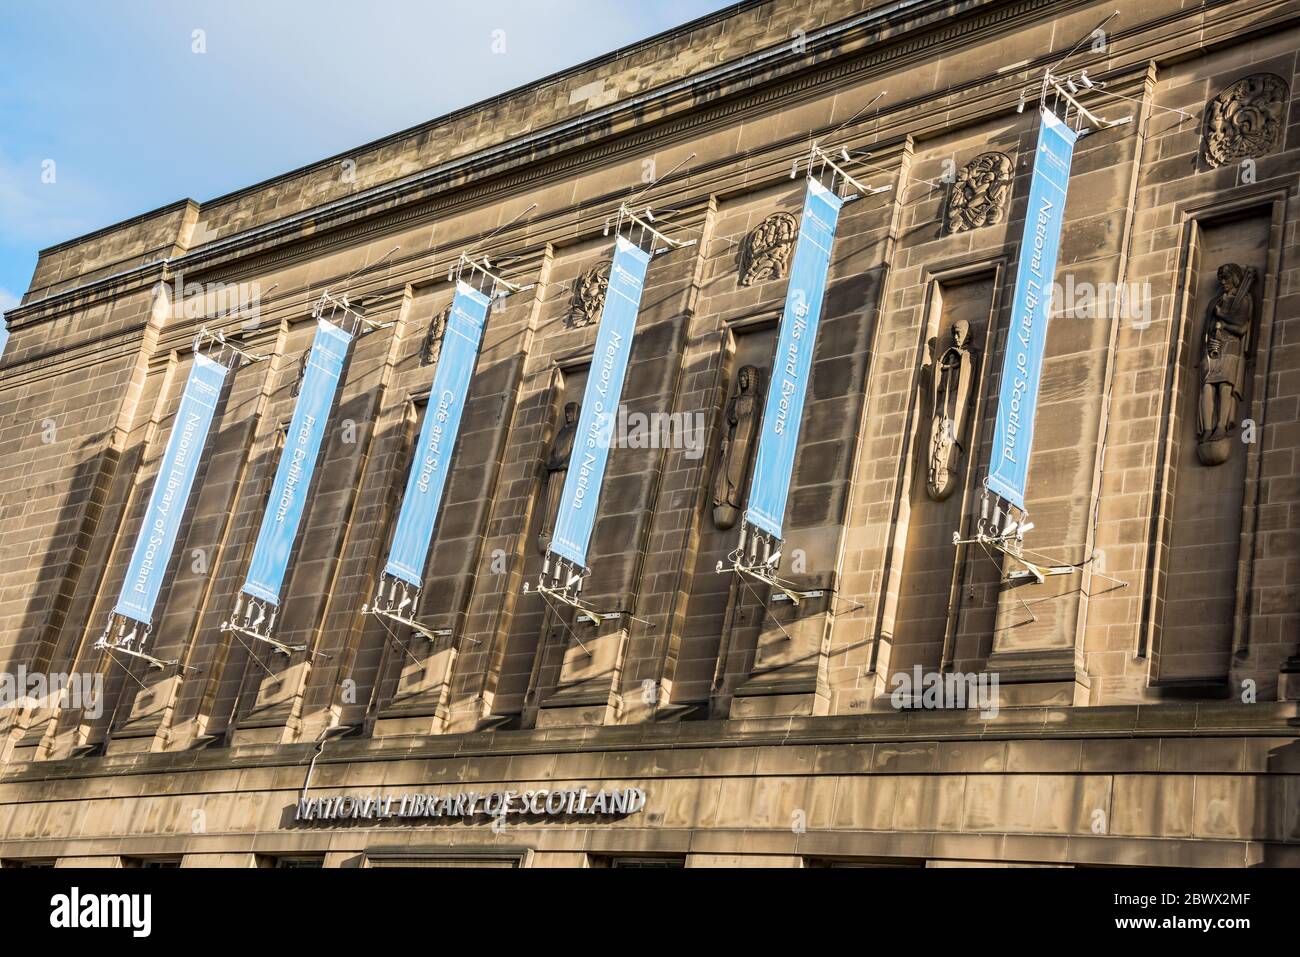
7 300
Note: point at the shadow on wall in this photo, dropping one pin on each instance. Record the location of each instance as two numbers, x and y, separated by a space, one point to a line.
36 642
1277 807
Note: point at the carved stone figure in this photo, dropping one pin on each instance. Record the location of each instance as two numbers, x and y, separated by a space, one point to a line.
1225 348
302 372
589 291
952 376
979 194
432 347
557 467
765 253
739 429
1245 120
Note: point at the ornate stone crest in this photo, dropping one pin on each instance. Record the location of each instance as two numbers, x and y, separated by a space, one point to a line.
432 347
1245 119
765 254
589 294
979 193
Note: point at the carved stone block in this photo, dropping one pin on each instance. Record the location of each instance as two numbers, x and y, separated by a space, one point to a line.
765 253
302 373
1245 119
979 193
431 349
589 291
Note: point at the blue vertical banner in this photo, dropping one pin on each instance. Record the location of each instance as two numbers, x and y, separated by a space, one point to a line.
171 490
792 364
581 494
428 479
1022 362
293 474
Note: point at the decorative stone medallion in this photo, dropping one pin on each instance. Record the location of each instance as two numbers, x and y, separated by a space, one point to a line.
1245 120
979 193
589 294
765 254
432 347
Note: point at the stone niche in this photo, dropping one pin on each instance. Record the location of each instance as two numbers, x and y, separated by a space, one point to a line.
424 663
941 483
1197 615
716 613
534 630
379 664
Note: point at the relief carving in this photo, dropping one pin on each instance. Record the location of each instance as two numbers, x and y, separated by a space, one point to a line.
765 253
302 372
950 384
589 294
979 194
1225 350
432 347
739 429
1245 120
557 467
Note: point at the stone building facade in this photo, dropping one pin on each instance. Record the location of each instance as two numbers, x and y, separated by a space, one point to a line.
1146 707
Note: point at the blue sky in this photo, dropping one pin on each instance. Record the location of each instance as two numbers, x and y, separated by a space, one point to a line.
133 118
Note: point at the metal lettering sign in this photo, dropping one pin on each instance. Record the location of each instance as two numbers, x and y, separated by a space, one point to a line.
419 805
171 490
581 493
428 479
1022 363
792 366
266 571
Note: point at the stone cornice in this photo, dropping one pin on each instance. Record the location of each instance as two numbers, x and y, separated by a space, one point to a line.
1116 722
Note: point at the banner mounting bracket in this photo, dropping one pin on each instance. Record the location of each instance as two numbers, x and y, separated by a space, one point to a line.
424 631
157 664
762 573
1009 545
279 647
123 641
